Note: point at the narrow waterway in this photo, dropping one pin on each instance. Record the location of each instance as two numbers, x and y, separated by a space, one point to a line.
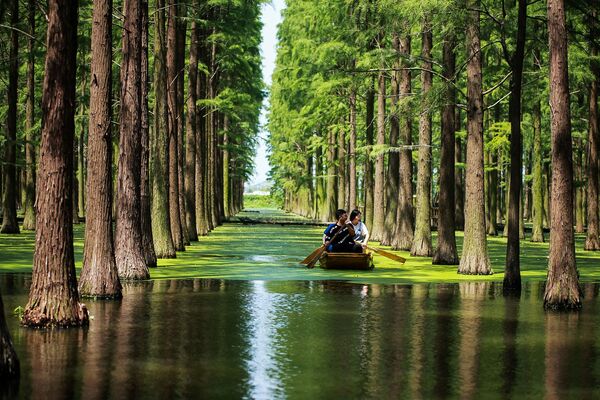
312 339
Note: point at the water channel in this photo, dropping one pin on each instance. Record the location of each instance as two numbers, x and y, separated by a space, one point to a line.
204 338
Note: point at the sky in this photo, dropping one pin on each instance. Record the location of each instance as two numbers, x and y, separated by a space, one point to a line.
271 17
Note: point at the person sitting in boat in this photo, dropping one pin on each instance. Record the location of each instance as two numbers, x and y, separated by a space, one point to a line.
361 233
339 236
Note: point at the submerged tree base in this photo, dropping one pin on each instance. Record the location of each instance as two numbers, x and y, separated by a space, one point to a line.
475 264
421 247
592 242
564 295
61 317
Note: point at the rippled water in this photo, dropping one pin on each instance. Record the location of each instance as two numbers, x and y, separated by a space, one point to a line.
282 339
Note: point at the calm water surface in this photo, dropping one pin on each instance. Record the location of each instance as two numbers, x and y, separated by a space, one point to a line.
302 340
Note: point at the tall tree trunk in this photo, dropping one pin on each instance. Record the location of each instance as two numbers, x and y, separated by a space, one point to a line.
341 173
201 132
579 195
99 276
226 161
403 237
393 171
592 239
129 248
474 258
330 191
422 240
9 201
76 174
352 151
211 144
527 196
29 217
10 368
53 296
145 192
176 228
81 164
562 286
368 168
445 252
191 134
537 230
492 192
180 106
159 163
512 272
379 190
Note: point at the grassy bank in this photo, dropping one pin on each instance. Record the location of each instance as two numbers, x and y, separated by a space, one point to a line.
273 251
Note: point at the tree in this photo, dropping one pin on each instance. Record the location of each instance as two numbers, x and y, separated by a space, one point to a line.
404 218
512 274
562 286
9 201
29 217
131 261
445 252
191 135
422 239
99 275
379 189
53 296
474 258
172 73
159 162
145 190
592 239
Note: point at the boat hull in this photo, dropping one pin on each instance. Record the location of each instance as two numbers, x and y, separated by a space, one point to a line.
360 261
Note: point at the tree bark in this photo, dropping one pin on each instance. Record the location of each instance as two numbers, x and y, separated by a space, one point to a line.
445 252
99 276
129 248
474 258
379 190
592 239
352 151
191 134
9 201
29 217
341 169
492 193
579 194
393 171
201 132
145 191
562 286
403 237
176 228
331 202
53 296
422 240
180 65
537 230
159 163
512 272
368 168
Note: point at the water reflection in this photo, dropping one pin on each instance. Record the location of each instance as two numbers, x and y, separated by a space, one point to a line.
270 339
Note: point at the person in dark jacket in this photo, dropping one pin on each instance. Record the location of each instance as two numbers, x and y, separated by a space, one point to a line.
339 236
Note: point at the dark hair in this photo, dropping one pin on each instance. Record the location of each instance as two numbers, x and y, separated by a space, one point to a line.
354 214
339 213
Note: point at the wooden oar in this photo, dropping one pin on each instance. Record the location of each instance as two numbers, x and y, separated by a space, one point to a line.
387 254
312 255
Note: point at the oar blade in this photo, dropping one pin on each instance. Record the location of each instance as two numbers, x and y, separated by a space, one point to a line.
312 255
318 255
389 255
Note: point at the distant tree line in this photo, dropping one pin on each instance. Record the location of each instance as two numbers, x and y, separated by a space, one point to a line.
464 115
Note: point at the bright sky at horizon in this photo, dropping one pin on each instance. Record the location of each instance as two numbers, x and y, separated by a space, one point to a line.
271 17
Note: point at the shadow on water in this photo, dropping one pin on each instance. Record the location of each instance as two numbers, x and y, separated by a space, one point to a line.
207 338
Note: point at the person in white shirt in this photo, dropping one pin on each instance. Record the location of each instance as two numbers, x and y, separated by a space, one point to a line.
361 233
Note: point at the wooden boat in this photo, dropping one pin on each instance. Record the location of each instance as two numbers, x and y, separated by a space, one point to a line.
346 261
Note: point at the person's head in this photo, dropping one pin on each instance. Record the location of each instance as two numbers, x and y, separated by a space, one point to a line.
355 216
341 215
